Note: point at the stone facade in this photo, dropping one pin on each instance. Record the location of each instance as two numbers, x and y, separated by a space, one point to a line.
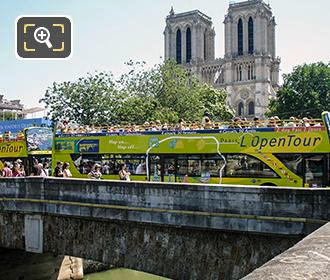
176 253
180 231
249 70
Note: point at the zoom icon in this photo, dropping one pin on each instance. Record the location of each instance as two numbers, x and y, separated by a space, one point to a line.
43 37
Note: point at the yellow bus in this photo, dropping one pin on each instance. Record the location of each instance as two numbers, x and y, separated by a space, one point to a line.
34 143
296 156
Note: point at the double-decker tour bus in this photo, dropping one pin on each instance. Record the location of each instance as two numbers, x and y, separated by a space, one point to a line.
271 153
34 143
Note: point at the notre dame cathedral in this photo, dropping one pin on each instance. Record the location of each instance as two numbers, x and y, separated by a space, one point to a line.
249 70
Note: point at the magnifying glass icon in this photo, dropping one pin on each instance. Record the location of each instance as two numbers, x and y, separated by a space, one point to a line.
41 35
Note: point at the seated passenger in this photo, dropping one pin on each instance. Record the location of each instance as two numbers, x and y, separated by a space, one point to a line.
164 126
95 173
207 123
146 126
180 125
278 122
256 122
205 116
292 122
158 125
271 122
141 168
237 122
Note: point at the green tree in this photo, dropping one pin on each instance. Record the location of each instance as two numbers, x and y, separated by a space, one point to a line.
89 100
305 92
169 93
165 92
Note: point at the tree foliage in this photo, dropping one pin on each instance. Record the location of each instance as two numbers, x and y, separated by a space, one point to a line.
305 92
164 92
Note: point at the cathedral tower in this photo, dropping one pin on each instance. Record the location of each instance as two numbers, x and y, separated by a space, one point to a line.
251 66
249 70
189 37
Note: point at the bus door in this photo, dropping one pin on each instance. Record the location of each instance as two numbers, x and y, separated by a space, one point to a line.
315 174
169 169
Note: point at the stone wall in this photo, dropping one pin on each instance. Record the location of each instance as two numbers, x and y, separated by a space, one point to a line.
273 210
180 231
308 260
173 252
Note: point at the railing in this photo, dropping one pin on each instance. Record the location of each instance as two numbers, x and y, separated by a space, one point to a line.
154 126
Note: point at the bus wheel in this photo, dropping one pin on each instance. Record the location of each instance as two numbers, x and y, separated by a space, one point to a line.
268 185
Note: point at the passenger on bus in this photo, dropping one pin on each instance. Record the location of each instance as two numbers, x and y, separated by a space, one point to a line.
123 173
66 170
58 172
22 170
36 170
44 169
6 172
181 125
96 172
16 170
141 168
207 123
205 116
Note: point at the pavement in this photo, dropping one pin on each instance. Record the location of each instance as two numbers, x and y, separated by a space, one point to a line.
309 259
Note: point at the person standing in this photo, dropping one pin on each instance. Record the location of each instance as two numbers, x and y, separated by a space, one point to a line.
123 174
44 170
66 170
58 172
95 173
16 170
36 170
6 172
22 170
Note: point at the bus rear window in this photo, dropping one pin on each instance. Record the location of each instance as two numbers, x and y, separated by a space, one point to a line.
294 162
240 165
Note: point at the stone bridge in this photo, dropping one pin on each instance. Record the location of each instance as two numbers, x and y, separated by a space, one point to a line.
180 231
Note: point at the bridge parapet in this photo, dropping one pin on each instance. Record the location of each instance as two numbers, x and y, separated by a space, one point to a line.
266 210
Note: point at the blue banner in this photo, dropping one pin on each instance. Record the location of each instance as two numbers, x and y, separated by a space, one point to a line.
15 126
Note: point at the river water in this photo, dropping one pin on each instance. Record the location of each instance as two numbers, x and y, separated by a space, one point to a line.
122 274
19 265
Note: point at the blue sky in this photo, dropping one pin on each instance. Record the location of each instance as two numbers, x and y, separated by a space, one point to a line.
107 33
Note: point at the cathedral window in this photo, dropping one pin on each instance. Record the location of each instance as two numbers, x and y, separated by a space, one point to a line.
240 37
178 47
240 109
205 48
251 108
188 45
239 75
250 33
249 72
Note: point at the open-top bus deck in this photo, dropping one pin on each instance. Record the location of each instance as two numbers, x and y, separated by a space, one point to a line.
275 156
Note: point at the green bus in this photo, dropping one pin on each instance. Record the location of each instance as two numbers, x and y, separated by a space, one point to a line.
266 156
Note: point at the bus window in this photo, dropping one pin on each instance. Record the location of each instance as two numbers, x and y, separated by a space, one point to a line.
85 162
194 166
135 163
169 169
294 162
182 167
314 170
240 165
213 164
154 168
